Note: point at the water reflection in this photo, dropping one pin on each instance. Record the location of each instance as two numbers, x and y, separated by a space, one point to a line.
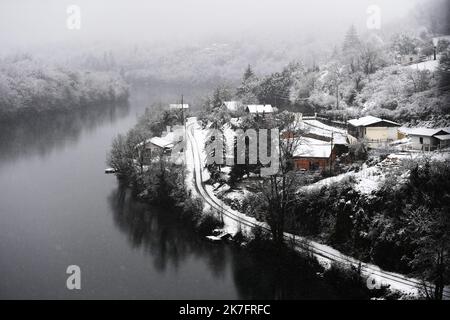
69 203
162 234
41 135
261 276
256 274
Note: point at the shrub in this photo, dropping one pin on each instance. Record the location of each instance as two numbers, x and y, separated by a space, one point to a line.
208 222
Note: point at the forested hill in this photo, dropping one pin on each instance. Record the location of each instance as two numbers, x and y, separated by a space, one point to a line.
31 85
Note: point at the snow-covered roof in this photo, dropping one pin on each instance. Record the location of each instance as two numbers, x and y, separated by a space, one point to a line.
369 120
437 39
231 105
320 129
312 148
430 65
161 142
167 141
179 106
425 132
260 108
443 137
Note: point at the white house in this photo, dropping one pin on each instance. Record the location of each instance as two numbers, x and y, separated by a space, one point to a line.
375 131
428 139
257 109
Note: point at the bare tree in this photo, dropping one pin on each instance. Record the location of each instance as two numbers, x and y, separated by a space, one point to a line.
336 77
278 192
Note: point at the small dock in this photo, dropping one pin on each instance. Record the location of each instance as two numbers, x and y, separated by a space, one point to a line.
110 171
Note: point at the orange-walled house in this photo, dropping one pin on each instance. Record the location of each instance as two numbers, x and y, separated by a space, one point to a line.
313 154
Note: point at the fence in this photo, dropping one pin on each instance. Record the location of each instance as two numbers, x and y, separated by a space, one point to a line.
340 122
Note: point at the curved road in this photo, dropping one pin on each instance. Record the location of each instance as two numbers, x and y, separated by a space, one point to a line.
323 252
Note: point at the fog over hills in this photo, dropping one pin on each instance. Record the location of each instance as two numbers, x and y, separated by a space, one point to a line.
197 40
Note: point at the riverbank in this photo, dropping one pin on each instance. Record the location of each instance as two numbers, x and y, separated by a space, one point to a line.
169 185
58 208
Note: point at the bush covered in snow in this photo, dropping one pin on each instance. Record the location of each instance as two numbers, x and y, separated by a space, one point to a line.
385 227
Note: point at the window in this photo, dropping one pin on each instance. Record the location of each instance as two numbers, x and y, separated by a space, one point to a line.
421 140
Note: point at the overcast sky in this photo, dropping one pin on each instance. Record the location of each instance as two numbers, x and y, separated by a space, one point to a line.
29 22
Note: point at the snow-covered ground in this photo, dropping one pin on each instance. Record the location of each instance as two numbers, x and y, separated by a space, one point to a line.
440 155
366 180
430 65
325 127
235 221
369 179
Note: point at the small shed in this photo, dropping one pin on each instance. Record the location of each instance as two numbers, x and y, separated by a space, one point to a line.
444 140
426 139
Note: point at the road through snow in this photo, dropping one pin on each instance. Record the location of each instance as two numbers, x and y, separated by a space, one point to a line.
325 254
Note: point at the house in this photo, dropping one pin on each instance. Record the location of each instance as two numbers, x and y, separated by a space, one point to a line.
178 106
408 58
161 146
441 38
436 41
257 109
374 130
444 140
428 139
313 154
232 106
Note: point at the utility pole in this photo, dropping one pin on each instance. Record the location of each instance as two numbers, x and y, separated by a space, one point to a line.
184 124
182 109
337 96
331 153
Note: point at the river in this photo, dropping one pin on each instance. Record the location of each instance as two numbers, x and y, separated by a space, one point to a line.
58 208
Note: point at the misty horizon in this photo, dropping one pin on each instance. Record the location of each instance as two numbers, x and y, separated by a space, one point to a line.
29 24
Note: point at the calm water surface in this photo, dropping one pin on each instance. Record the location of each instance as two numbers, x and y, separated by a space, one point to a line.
58 208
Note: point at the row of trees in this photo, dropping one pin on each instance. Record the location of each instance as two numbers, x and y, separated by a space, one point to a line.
156 179
128 154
